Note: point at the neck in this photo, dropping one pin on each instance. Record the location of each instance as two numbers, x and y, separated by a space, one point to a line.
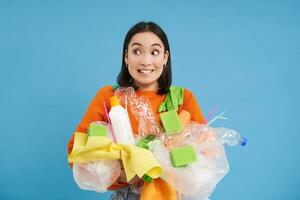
148 87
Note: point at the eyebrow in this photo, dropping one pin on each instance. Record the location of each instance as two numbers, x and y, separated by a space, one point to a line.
139 44
156 44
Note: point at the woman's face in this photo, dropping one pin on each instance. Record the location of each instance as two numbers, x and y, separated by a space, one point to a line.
145 58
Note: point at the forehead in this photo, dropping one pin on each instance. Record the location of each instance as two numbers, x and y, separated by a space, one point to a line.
146 39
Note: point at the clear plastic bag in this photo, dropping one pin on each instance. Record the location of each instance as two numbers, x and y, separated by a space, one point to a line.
198 179
140 107
97 175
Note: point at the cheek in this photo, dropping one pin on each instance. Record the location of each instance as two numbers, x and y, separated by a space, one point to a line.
159 62
133 60
159 67
159 71
131 70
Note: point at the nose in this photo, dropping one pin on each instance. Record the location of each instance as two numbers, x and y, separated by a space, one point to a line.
146 60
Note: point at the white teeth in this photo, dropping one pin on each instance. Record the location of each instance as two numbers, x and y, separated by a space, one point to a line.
145 71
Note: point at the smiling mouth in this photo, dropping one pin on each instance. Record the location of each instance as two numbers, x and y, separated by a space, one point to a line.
145 71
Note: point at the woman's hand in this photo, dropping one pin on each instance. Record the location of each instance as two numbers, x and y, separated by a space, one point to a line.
135 180
122 178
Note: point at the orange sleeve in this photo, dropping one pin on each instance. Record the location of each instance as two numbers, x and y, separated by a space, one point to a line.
191 105
95 112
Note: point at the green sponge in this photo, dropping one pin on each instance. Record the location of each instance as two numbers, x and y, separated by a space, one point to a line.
97 130
182 156
171 122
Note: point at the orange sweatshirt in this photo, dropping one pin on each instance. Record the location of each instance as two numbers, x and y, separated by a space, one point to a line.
95 112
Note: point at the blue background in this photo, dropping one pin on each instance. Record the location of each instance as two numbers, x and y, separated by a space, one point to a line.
241 56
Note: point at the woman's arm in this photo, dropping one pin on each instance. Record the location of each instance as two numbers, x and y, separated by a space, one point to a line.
95 112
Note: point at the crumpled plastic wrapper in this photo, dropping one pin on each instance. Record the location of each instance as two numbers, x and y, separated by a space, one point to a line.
97 175
198 179
140 107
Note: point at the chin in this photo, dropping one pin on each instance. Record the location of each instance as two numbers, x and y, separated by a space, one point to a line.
145 83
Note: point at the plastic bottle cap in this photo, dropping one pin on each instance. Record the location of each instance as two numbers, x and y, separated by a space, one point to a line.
114 101
243 141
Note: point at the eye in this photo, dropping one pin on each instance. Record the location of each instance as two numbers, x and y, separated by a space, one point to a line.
136 52
155 52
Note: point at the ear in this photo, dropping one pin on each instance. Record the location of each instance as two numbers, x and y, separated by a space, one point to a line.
126 57
166 57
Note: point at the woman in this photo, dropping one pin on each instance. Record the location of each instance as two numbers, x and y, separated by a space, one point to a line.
146 66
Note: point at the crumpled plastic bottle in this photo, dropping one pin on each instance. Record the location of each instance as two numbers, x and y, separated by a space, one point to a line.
229 137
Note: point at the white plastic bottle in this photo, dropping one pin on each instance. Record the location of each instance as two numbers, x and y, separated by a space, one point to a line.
230 137
120 122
